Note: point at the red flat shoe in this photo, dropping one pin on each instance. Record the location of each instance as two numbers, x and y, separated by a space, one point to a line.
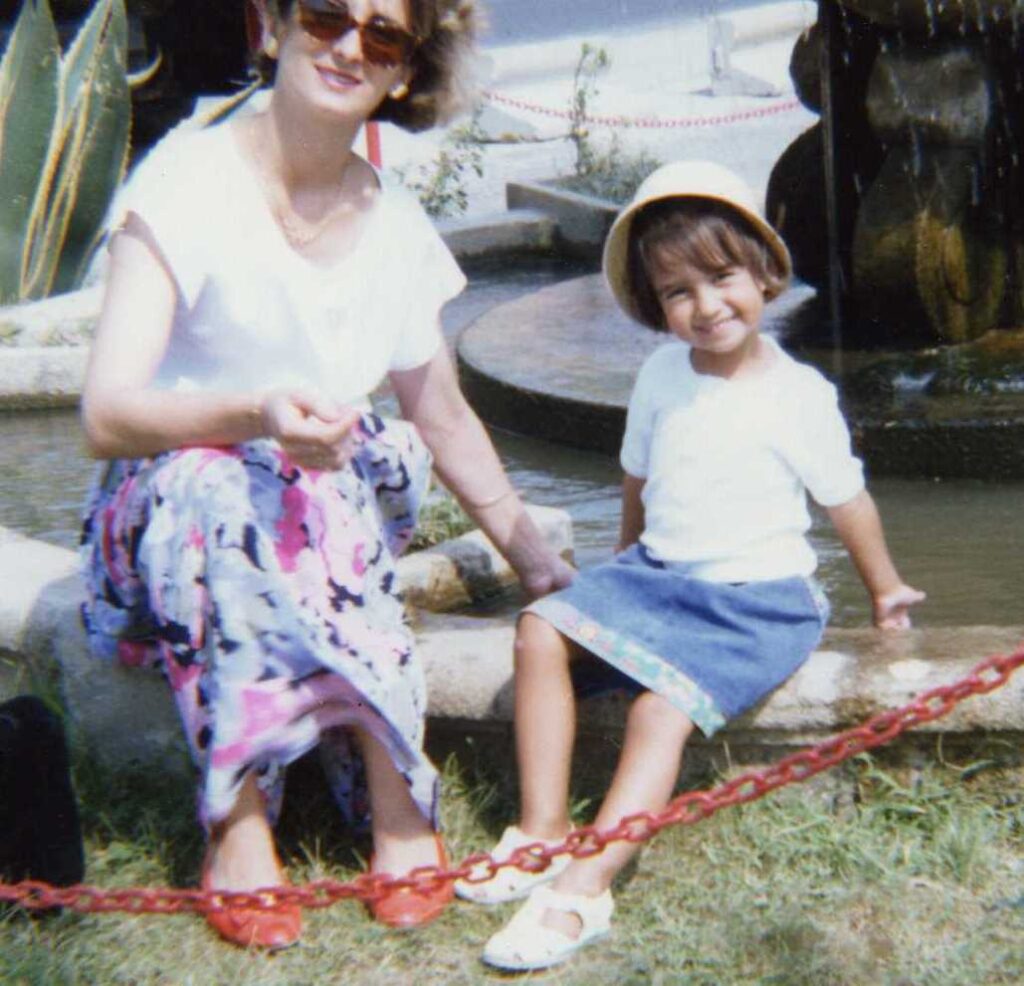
411 908
251 927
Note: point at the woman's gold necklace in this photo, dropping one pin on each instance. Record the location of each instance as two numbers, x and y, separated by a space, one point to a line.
298 231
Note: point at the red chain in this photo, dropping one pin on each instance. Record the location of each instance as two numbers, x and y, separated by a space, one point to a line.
687 809
648 122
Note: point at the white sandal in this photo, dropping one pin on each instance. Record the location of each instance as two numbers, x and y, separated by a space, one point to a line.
525 943
510 882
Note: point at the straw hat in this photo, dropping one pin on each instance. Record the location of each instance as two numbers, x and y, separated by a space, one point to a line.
683 179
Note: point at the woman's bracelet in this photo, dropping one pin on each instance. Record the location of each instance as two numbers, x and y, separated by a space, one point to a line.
256 415
491 501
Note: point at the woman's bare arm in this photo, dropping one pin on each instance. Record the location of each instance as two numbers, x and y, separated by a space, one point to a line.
468 465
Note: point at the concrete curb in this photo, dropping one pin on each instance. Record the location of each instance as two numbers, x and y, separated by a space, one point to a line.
468 662
854 675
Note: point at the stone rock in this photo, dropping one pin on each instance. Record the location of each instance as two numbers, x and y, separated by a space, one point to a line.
43 647
469 569
468 661
855 674
931 95
925 258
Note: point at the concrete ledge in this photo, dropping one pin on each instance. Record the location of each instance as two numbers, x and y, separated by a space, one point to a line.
582 221
468 660
43 360
521 230
41 376
853 676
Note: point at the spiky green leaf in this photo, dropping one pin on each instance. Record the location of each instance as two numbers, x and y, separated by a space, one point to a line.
28 107
87 156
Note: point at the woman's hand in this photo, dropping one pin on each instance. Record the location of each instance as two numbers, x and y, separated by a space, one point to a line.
891 609
314 431
554 574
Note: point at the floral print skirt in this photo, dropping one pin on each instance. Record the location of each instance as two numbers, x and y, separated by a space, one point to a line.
267 596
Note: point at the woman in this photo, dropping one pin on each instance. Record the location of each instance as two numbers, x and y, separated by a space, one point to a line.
261 284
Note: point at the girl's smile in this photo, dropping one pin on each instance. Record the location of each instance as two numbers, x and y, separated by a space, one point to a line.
717 312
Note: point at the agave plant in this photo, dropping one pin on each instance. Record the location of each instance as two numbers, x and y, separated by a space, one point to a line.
64 132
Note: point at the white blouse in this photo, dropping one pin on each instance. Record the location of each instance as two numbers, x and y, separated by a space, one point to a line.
252 313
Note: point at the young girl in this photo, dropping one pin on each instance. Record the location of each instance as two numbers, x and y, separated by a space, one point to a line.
709 604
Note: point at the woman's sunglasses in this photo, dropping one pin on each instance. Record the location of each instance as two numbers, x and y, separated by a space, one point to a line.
384 42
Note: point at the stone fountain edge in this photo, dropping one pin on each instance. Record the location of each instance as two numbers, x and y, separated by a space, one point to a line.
468 659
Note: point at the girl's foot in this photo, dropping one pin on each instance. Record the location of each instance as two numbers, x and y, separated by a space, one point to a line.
531 939
511 882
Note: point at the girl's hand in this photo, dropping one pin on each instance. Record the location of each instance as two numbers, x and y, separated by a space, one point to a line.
312 430
890 608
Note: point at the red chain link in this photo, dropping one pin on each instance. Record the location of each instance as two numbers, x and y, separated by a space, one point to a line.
648 122
687 809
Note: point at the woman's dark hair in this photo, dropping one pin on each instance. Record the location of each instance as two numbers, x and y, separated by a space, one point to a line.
441 85
699 233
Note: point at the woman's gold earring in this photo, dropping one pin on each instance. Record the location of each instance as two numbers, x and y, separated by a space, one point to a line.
399 92
270 47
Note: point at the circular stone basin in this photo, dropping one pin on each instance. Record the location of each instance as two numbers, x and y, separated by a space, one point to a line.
559 364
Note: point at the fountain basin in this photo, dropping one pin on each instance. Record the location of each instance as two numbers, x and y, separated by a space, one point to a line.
560 364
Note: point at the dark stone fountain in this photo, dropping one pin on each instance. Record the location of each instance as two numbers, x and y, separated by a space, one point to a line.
904 206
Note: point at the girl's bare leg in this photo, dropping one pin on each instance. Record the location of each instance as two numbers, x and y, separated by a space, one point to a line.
241 849
402 837
545 712
648 768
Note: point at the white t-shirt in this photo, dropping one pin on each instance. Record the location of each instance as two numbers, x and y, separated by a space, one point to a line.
252 314
727 464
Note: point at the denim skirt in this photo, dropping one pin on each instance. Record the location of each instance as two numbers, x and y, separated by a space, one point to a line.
711 649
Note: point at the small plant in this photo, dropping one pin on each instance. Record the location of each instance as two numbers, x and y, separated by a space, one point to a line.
612 174
441 184
440 520
592 62
64 126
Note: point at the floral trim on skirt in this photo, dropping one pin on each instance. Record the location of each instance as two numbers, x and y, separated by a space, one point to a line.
267 596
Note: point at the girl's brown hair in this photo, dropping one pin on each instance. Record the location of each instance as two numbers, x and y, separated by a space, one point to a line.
699 233
442 76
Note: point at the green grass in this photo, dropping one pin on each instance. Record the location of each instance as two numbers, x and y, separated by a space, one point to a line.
865 876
